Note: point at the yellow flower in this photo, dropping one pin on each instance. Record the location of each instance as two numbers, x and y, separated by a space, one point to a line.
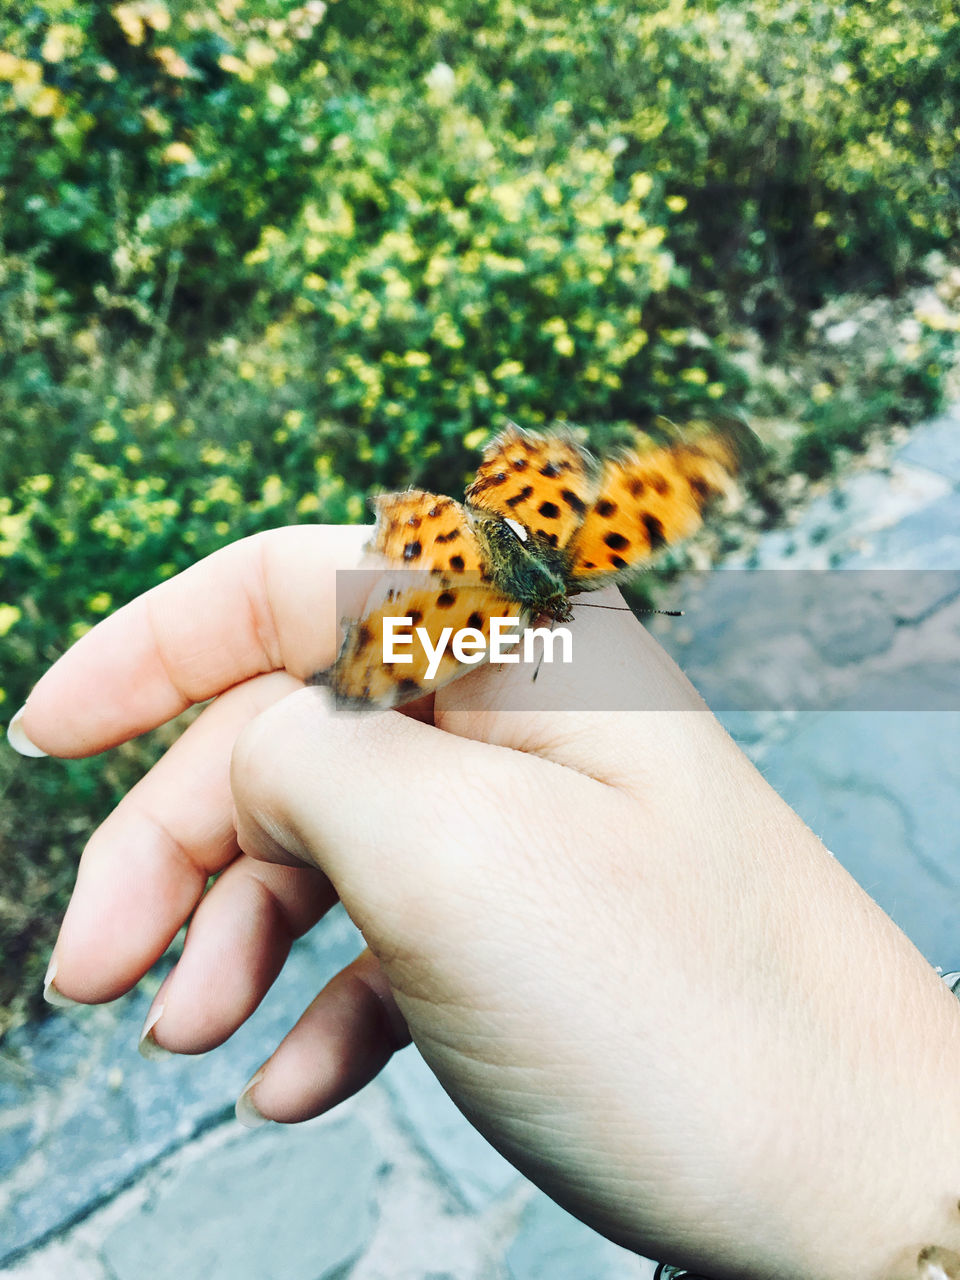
135 18
10 615
235 66
259 54
178 153
173 63
61 41
273 491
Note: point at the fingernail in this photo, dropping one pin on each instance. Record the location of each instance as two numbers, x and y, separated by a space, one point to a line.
51 993
18 739
147 1045
246 1110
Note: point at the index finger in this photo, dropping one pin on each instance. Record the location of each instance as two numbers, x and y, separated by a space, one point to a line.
263 604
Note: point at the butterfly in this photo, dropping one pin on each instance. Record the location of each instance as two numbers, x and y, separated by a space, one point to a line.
543 520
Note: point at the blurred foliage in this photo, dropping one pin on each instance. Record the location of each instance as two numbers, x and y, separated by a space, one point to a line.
260 256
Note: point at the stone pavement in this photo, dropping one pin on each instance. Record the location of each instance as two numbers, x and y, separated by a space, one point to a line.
113 1168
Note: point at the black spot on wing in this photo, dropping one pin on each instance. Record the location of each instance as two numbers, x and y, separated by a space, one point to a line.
412 550
522 496
574 501
457 564
654 528
448 537
618 562
446 599
476 621
549 510
616 541
605 508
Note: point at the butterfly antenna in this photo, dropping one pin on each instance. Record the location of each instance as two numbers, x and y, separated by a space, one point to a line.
624 608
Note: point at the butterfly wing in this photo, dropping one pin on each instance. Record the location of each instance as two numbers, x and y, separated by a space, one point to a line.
444 584
425 531
545 481
652 496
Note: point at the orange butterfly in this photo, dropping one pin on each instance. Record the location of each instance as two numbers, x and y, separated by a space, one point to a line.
543 520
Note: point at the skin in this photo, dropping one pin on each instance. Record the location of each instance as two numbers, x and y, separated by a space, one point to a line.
628 961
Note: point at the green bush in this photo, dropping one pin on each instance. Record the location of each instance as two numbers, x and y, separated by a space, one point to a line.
259 257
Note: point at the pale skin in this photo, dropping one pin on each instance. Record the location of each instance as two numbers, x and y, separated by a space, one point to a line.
628 961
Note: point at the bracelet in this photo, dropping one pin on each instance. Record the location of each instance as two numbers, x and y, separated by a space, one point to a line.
933 1262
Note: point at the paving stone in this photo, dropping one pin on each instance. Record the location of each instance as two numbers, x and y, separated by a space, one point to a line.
116 1112
476 1170
16 1143
937 446
835 525
882 789
926 539
769 640
285 1202
552 1245
820 639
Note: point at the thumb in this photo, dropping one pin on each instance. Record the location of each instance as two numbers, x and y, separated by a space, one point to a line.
410 823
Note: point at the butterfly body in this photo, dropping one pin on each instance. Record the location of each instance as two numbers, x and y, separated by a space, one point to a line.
543 520
521 571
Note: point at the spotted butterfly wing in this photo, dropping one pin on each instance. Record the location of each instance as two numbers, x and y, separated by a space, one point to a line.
546 482
444 584
648 497
598 521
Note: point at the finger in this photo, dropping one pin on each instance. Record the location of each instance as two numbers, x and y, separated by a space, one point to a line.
145 868
389 807
262 604
238 940
345 1038
564 714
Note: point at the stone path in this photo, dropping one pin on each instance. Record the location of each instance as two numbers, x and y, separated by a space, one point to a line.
112 1168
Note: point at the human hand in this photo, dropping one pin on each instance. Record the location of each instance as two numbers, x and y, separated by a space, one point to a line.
626 959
